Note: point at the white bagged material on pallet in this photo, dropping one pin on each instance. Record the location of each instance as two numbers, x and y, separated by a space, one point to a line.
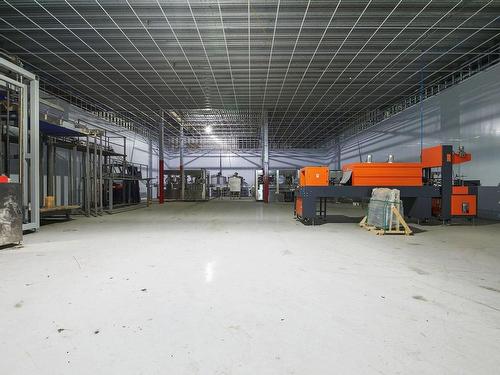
380 213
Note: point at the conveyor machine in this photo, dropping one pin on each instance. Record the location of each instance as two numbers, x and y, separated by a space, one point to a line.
427 187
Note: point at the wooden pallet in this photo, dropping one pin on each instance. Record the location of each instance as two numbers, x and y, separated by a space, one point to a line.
58 211
58 208
396 222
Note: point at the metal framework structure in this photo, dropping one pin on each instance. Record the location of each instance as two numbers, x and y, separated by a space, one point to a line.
27 85
318 68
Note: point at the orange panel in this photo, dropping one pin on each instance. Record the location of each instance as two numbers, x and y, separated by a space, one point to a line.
463 205
457 159
314 176
298 206
464 190
385 174
432 157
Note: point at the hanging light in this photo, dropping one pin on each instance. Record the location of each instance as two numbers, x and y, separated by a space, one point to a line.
208 129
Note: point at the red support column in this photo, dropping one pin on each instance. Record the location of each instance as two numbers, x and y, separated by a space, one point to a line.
266 187
161 181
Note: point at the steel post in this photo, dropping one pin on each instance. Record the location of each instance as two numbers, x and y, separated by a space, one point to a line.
161 168
265 156
339 155
5 154
74 196
150 170
50 167
87 177
71 173
101 182
94 175
34 154
110 195
181 162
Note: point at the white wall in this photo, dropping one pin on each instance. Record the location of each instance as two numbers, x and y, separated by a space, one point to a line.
467 114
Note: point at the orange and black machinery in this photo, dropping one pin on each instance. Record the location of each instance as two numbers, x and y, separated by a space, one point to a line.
427 187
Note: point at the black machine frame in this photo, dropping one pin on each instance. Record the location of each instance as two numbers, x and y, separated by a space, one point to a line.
417 201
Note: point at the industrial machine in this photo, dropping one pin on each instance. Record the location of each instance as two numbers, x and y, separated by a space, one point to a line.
286 182
427 187
245 189
259 184
218 185
232 186
123 184
282 185
193 187
235 183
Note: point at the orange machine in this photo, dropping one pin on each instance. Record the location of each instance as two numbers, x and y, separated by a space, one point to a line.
415 180
314 176
385 174
403 174
311 176
462 203
456 200
432 157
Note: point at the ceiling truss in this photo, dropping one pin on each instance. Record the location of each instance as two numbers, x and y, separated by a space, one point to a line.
312 67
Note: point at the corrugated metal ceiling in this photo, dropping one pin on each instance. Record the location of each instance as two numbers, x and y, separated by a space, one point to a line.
310 66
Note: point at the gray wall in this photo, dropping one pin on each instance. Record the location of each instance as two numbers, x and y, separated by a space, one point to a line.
467 114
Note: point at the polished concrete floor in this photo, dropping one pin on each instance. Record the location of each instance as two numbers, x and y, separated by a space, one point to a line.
241 288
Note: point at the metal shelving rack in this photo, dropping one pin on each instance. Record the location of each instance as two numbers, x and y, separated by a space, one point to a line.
97 160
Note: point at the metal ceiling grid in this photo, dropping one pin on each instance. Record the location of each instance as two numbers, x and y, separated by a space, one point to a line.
312 66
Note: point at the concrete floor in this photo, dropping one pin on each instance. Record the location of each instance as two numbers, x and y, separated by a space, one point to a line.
241 288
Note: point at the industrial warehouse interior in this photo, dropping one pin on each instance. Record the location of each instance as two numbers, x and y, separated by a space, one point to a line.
249 187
